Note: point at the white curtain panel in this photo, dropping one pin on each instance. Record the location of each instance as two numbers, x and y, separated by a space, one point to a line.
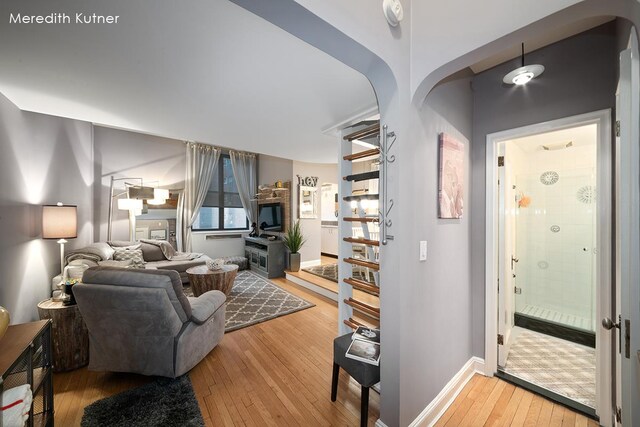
244 172
202 160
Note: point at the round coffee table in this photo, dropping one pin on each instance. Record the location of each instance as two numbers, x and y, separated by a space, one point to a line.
202 279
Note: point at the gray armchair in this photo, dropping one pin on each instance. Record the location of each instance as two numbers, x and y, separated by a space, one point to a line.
140 321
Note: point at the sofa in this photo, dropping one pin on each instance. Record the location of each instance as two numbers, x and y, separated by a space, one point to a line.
140 321
155 255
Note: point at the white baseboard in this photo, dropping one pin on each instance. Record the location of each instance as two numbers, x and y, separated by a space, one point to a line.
312 287
310 263
432 413
380 423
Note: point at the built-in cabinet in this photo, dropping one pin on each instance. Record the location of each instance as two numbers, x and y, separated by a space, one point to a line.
329 240
266 257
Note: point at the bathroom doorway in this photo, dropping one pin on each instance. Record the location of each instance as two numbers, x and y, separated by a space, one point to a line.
551 217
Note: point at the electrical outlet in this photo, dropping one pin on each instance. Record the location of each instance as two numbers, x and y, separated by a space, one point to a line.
423 250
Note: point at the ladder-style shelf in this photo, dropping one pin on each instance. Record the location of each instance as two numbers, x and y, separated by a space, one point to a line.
362 307
362 154
361 233
363 286
362 176
361 241
360 197
361 219
362 263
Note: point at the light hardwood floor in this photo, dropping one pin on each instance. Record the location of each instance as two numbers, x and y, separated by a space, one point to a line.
279 373
273 373
492 402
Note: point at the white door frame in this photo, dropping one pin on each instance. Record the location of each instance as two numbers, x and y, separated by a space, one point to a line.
627 234
604 205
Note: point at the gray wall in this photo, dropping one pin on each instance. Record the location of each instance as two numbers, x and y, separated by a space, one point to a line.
580 77
44 160
126 154
436 303
272 169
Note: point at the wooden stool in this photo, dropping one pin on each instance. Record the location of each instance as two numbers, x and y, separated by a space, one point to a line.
69 335
365 374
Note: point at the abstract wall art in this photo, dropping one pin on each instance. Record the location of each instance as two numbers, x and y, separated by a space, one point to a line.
451 178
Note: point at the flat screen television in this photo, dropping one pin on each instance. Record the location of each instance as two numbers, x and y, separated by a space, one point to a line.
270 217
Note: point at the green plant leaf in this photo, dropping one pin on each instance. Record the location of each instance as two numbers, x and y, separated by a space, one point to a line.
293 239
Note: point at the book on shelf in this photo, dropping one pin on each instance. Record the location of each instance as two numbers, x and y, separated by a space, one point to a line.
365 351
367 334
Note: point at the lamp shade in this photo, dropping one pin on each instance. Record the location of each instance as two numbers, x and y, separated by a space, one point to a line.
59 221
130 204
160 196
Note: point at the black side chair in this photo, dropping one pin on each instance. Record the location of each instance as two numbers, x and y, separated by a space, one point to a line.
365 374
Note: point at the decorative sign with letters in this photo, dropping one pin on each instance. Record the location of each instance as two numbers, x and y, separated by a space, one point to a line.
308 181
307 197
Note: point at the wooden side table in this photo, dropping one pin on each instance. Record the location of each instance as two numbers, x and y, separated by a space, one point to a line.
25 358
202 279
69 335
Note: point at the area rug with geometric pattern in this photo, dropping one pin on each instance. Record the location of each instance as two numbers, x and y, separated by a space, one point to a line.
330 272
254 299
326 271
561 366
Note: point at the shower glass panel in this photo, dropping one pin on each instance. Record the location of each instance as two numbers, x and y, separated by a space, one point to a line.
556 246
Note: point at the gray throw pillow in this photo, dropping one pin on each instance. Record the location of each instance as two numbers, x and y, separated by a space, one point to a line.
132 255
152 253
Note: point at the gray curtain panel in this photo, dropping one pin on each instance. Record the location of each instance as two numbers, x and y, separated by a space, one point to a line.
202 160
244 172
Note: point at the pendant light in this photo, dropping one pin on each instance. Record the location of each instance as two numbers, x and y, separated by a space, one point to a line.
524 74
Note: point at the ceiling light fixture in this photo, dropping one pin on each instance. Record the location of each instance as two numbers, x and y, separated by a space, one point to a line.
524 74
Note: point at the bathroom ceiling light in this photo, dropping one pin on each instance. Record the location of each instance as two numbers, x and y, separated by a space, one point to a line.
557 146
523 75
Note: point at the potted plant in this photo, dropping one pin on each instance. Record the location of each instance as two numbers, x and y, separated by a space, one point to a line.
293 240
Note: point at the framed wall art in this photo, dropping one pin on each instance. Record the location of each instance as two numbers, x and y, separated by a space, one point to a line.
451 177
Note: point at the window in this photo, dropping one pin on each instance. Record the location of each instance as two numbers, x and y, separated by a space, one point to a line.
222 208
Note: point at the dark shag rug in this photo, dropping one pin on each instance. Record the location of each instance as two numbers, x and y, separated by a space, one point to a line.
330 272
164 402
254 299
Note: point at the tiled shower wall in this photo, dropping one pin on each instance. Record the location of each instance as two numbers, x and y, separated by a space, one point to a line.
555 237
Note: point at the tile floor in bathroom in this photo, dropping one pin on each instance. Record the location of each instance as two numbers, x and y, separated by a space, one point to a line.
561 366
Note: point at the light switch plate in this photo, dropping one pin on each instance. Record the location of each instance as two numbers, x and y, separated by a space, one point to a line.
423 250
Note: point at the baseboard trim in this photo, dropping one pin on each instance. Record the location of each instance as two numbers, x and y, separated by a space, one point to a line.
434 410
380 423
310 263
312 287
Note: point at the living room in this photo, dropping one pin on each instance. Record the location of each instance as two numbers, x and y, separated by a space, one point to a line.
86 106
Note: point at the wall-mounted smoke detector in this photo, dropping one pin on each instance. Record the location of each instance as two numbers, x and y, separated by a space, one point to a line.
557 146
392 11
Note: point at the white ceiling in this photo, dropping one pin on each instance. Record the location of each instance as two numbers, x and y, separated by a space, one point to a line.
205 70
579 137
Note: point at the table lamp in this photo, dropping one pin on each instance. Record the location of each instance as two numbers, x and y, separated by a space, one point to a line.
60 222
